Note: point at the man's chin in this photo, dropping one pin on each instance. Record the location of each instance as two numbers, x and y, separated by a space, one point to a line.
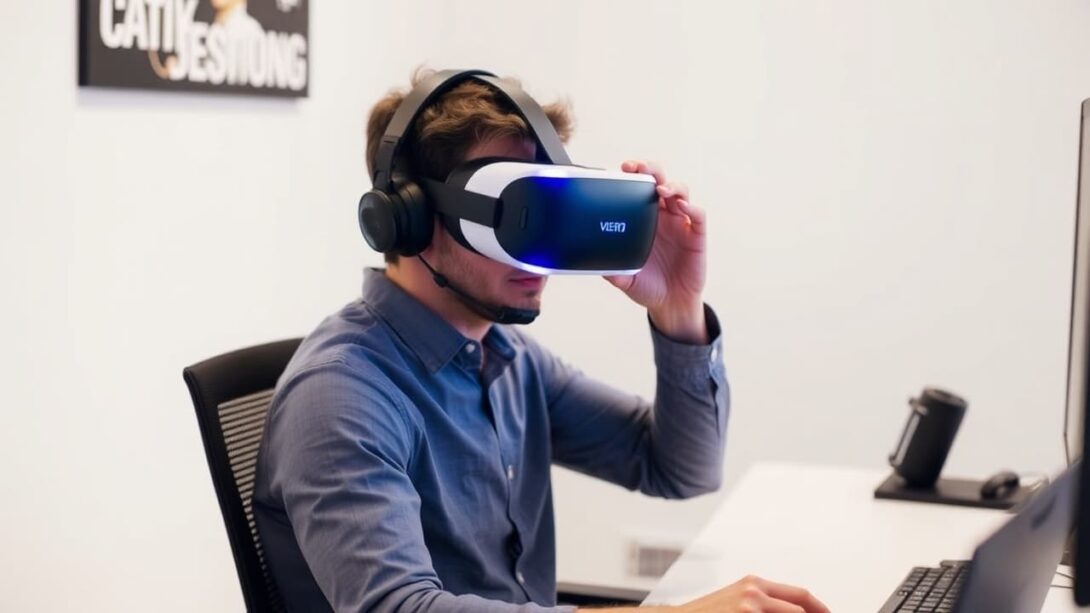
522 293
523 302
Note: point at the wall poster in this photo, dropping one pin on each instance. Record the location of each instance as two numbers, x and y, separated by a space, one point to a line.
232 46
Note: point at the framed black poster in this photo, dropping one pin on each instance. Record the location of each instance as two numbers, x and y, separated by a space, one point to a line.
233 46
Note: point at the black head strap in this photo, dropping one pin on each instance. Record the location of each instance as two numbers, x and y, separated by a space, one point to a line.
462 203
427 91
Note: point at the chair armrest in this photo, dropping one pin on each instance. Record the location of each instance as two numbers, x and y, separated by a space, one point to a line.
582 594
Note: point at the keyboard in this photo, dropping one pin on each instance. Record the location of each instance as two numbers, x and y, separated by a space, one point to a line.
929 590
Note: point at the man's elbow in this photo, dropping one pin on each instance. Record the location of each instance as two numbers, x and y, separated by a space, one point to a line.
710 485
681 487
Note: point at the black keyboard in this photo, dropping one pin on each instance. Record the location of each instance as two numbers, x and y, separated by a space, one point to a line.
929 590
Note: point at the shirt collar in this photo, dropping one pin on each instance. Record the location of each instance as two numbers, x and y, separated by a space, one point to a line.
434 341
498 341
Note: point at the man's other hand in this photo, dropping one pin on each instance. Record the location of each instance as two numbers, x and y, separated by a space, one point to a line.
756 595
750 595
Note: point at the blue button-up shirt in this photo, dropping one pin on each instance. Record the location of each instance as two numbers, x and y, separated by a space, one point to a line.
406 468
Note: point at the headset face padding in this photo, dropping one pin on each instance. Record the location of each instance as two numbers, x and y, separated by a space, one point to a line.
396 223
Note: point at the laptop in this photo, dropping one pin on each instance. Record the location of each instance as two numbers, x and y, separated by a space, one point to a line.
1010 572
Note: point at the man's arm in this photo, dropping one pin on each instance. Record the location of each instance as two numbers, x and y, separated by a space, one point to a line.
673 448
339 462
339 451
678 449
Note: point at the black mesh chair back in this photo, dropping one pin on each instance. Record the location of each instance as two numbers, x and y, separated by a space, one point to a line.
231 394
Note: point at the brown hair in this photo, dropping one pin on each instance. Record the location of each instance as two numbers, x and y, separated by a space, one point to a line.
470 113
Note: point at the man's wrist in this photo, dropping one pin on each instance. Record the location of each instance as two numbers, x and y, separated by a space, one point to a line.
684 325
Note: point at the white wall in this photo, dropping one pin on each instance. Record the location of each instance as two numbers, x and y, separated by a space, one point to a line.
891 193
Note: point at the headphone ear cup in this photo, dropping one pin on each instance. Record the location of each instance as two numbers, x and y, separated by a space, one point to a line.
416 218
378 218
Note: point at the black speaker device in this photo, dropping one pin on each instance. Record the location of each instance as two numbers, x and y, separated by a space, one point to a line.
921 452
928 435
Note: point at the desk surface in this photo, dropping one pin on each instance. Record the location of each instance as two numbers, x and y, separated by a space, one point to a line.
821 528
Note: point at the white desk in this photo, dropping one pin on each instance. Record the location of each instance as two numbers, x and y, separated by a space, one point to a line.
821 528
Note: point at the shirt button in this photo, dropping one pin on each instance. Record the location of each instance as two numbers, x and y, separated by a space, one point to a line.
518 575
510 472
470 348
715 353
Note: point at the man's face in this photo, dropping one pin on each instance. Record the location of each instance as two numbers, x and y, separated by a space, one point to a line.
488 280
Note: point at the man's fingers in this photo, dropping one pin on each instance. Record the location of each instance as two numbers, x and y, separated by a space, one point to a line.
673 195
621 282
673 189
775 605
693 216
644 167
653 169
697 216
794 595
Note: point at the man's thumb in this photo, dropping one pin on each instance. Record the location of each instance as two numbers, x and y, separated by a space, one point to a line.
621 282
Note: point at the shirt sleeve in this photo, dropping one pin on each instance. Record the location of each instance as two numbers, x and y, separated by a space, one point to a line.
672 448
340 447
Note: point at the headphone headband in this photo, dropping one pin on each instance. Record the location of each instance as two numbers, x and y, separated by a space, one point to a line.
429 90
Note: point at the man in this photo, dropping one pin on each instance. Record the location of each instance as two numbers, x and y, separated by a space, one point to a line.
406 458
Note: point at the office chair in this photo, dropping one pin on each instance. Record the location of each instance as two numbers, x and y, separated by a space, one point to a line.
231 394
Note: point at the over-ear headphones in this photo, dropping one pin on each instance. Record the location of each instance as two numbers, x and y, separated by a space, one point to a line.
396 221
395 216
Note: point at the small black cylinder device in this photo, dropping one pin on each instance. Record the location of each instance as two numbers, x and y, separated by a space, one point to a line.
927 437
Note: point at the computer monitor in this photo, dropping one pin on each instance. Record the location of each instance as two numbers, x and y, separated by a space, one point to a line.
1075 422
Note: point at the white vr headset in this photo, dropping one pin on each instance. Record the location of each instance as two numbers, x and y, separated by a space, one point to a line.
545 217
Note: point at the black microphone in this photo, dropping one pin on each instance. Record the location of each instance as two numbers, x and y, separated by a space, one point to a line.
494 313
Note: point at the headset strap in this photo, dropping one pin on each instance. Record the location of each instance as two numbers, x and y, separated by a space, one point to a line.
550 148
461 203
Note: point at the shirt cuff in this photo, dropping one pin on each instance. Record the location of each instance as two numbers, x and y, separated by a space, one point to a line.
671 354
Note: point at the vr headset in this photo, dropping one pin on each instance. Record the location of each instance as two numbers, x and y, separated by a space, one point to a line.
547 216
